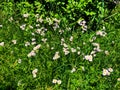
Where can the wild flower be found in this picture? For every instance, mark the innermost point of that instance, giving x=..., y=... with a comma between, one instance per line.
x=66, y=51
x=33, y=43
x=78, y=52
x=14, y=41
x=110, y=69
x=73, y=50
x=19, y=60
x=73, y=70
x=59, y=82
x=27, y=44
x=2, y=44
x=54, y=81
x=31, y=27
x=33, y=39
x=56, y=20
x=56, y=56
x=1, y=26
x=37, y=47
x=34, y=72
x=101, y=33
x=106, y=52
x=39, y=20
x=10, y=19
x=44, y=40
x=32, y=53
x=71, y=38
x=106, y=72
x=25, y=15
x=23, y=26
x=118, y=79
x=88, y=57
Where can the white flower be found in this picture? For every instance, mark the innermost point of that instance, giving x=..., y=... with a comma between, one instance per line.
x=34, y=72
x=44, y=40
x=71, y=38
x=33, y=43
x=59, y=82
x=82, y=22
x=89, y=58
x=56, y=56
x=32, y=53
x=23, y=26
x=27, y=44
x=40, y=20
x=73, y=70
x=2, y=44
x=54, y=81
x=78, y=52
x=101, y=33
x=65, y=50
x=106, y=72
x=106, y=52
x=73, y=50
x=25, y=15
x=37, y=47
x=1, y=26
x=31, y=27
x=14, y=41
x=19, y=60
x=110, y=69
x=118, y=79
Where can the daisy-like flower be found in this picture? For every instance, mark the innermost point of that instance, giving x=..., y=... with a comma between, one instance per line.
x=66, y=51
x=71, y=38
x=19, y=60
x=73, y=70
x=73, y=50
x=118, y=79
x=32, y=53
x=106, y=72
x=54, y=81
x=106, y=52
x=110, y=69
x=2, y=44
x=78, y=52
x=14, y=41
x=27, y=44
x=44, y=40
x=33, y=43
x=34, y=72
x=56, y=56
x=37, y=47
x=1, y=26
x=89, y=57
x=59, y=82
x=25, y=15
x=23, y=26
x=101, y=33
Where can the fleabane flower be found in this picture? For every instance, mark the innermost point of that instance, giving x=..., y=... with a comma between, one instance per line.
x=2, y=44
x=59, y=82
x=73, y=70
x=54, y=81
x=14, y=41
x=89, y=57
x=106, y=72
x=34, y=72
x=56, y=56
x=25, y=15
x=110, y=69
x=37, y=47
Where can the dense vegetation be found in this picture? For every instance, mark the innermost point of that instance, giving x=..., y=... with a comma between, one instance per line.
x=59, y=45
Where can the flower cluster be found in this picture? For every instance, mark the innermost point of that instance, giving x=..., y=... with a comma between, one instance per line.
x=55, y=81
x=106, y=72
x=34, y=72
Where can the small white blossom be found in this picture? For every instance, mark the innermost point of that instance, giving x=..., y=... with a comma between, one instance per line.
x=101, y=33
x=59, y=82
x=31, y=27
x=19, y=60
x=33, y=43
x=118, y=79
x=32, y=53
x=56, y=56
x=73, y=70
x=27, y=44
x=25, y=15
x=37, y=47
x=73, y=50
x=106, y=52
x=89, y=57
x=44, y=40
x=14, y=41
x=71, y=38
x=106, y=72
x=110, y=69
x=1, y=26
x=2, y=44
x=54, y=81
x=23, y=26
x=65, y=50
x=78, y=52
x=34, y=72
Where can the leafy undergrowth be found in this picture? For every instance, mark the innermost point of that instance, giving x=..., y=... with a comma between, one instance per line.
x=46, y=53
